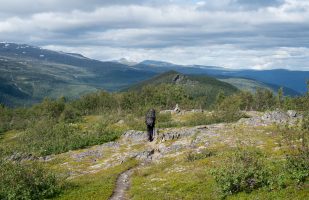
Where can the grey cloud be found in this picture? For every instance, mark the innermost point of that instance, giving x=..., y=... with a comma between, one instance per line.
x=259, y=3
x=202, y=31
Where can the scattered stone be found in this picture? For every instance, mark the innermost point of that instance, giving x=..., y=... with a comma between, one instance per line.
x=120, y=121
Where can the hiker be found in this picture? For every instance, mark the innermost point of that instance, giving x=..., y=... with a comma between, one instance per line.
x=150, y=123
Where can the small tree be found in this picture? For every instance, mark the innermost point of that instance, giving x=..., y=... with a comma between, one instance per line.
x=220, y=98
x=280, y=97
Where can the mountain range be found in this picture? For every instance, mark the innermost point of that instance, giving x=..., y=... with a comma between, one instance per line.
x=29, y=73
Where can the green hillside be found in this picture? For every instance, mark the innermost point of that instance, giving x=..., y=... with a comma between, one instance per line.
x=28, y=77
x=203, y=88
x=241, y=147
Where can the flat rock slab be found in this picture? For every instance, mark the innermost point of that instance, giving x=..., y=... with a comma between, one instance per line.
x=122, y=186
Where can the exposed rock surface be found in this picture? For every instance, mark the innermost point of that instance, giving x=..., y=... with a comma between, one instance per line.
x=277, y=117
x=135, y=136
x=171, y=134
x=169, y=142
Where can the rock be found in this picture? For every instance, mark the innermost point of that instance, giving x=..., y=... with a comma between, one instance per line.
x=177, y=134
x=144, y=155
x=177, y=109
x=178, y=78
x=201, y=127
x=89, y=153
x=166, y=111
x=110, y=144
x=197, y=111
x=120, y=121
x=22, y=157
x=135, y=136
x=275, y=116
x=292, y=113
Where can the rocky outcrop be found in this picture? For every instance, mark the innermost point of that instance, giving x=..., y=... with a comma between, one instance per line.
x=273, y=117
x=135, y=136
x=173, y=134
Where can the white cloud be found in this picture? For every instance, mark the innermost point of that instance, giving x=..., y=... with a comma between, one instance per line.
x=231, y=33
x=228, y=56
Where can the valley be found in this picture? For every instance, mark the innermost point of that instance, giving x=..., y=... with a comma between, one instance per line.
x=74, y=128
x=28, y=74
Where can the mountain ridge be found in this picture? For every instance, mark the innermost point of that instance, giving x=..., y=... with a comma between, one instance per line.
x=34, y=73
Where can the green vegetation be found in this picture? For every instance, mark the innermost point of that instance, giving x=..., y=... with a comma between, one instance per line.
x=27, y=181
x=243, y=170
x=205, y=153
x=202, y=89
x=218, y=172
x=57, y=126
x=99, y=185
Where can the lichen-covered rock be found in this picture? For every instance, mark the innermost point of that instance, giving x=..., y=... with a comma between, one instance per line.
x=277, y=117
x=176, y=134
x=292, y=113
x=143, y=155
x=87, y=154
x=135, y=136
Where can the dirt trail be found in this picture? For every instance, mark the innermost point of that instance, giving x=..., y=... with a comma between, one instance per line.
x=122, y=186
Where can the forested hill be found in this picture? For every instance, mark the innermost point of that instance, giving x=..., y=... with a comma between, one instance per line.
x=28, y=74
x=204, y=88
x=289, y=79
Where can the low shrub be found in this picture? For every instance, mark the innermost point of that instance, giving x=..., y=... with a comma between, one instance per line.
x=70, y=114
x=298, y=165
x=49, y=137
x=201, y=155
x=244, y=170
x=27, y=181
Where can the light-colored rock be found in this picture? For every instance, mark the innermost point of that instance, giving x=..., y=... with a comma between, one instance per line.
x=292, y=113
x=135, y=136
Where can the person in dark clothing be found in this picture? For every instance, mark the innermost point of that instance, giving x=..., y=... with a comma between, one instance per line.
x=150, y=123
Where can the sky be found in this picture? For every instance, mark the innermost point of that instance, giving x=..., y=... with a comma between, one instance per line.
x=236, y=34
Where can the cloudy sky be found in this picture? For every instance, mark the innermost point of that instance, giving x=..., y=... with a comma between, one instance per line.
x=259, y=34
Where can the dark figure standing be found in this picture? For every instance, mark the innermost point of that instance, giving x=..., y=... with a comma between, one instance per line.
x=150, y=122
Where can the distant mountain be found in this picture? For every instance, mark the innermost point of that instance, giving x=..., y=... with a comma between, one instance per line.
x=291, y=80
x=126, y=62
x=196, y=86
x=160, y=66
x=252, y=85
x=28, y=74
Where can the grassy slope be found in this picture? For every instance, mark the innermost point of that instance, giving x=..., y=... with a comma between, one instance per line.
x=174, y=177
x=99, y=185
x=25, y=81
x=179, y=178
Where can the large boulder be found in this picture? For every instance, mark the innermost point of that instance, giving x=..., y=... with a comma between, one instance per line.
x=276, y=116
